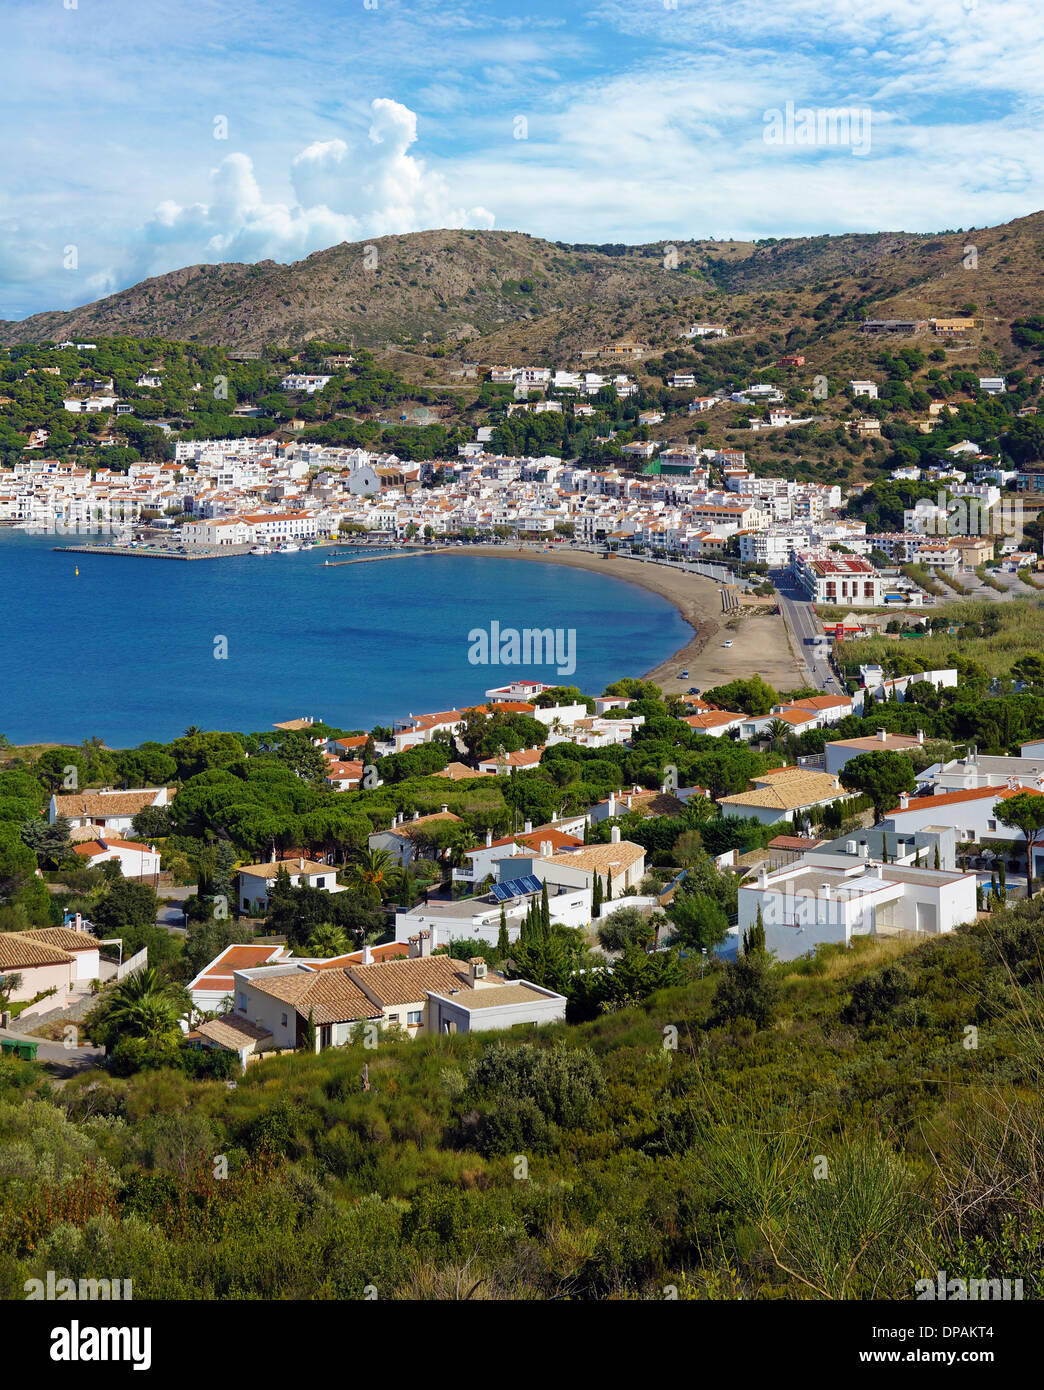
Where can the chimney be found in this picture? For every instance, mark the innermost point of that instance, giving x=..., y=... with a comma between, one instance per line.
x=904, y=801
x=850, y=846
x=414, y=947
x=478, y=969
x=527, y=828
x=920, y=735
x=489, y=838
x=824, y=891
x=300, y=864
x=614, y=835
x=445, y=809
x=612, y=804
x=424, y=939
x=762, y=876
x=864, y=849
x=367, y=954
x=416, y=815
x=546, y=849
x=882, y=735
x=627, y=802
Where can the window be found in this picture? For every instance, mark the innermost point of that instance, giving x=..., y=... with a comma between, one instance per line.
x=282, y=1020
x=241, y=1003
x=320, y=883
x=393, y=1018
x=992, y=824
x=413, y=1018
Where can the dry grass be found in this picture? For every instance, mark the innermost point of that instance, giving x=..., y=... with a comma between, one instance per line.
x=1021, y=631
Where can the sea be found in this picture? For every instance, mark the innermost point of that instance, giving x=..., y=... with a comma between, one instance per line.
x=128, y=649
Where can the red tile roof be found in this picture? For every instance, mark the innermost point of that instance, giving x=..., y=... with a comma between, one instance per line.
x=920, y=803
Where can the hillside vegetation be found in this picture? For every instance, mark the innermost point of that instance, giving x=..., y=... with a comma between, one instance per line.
x=880, y=1121
x=508, y=292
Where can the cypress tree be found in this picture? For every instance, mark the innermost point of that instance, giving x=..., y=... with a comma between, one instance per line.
x=545, y=910
x=609, y=886
x=754, y=937
x=937, y=854
x=596, y=896
x=503, y=944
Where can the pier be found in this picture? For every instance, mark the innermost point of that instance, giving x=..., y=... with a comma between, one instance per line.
x=196, y=552
x=396, y=555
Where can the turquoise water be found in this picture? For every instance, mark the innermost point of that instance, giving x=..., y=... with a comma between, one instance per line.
x=126, y=650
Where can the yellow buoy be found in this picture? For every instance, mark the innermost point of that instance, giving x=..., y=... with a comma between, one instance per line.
x=77, y=569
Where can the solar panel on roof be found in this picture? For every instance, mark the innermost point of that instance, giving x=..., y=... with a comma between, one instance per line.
x=532, y=883
x=499, y=891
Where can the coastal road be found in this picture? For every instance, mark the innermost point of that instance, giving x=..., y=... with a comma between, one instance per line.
x=805, y=628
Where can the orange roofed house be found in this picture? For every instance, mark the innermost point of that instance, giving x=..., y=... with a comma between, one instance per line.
x=107, y=810
x=419, y=993
x=46, y=958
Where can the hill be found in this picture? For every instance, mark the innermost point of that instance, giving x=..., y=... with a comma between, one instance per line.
x=849, y=1147
x=503, y=292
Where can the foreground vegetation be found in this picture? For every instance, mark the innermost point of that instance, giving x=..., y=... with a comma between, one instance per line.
x=883, y=1122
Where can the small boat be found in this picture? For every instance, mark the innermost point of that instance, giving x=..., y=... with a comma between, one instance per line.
x=260, y=550
x=289, y=549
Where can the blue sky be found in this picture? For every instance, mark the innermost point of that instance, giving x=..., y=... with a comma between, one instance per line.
x=597, y=120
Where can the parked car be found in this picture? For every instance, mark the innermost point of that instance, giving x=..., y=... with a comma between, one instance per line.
x=728, y=643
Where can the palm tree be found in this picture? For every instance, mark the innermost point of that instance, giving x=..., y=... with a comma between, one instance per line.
x=372, y=871
x=777, y=732
x=326, y=941
x=144, y=1006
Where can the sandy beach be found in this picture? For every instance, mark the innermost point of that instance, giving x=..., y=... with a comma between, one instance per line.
x=760, y=642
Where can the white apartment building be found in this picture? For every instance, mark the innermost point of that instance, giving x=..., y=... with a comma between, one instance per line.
x=832, y=578
x=824, y=900
x=304, y=381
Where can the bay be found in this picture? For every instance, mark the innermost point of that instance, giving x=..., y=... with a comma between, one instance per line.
x=129, y=649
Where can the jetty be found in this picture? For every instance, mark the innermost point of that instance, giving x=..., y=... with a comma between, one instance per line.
x=396, y=555
x=196, y=552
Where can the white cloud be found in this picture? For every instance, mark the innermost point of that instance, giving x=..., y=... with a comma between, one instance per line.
x=341, y=193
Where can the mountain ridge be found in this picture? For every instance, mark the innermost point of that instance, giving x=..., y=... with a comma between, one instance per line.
x=502, y=291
